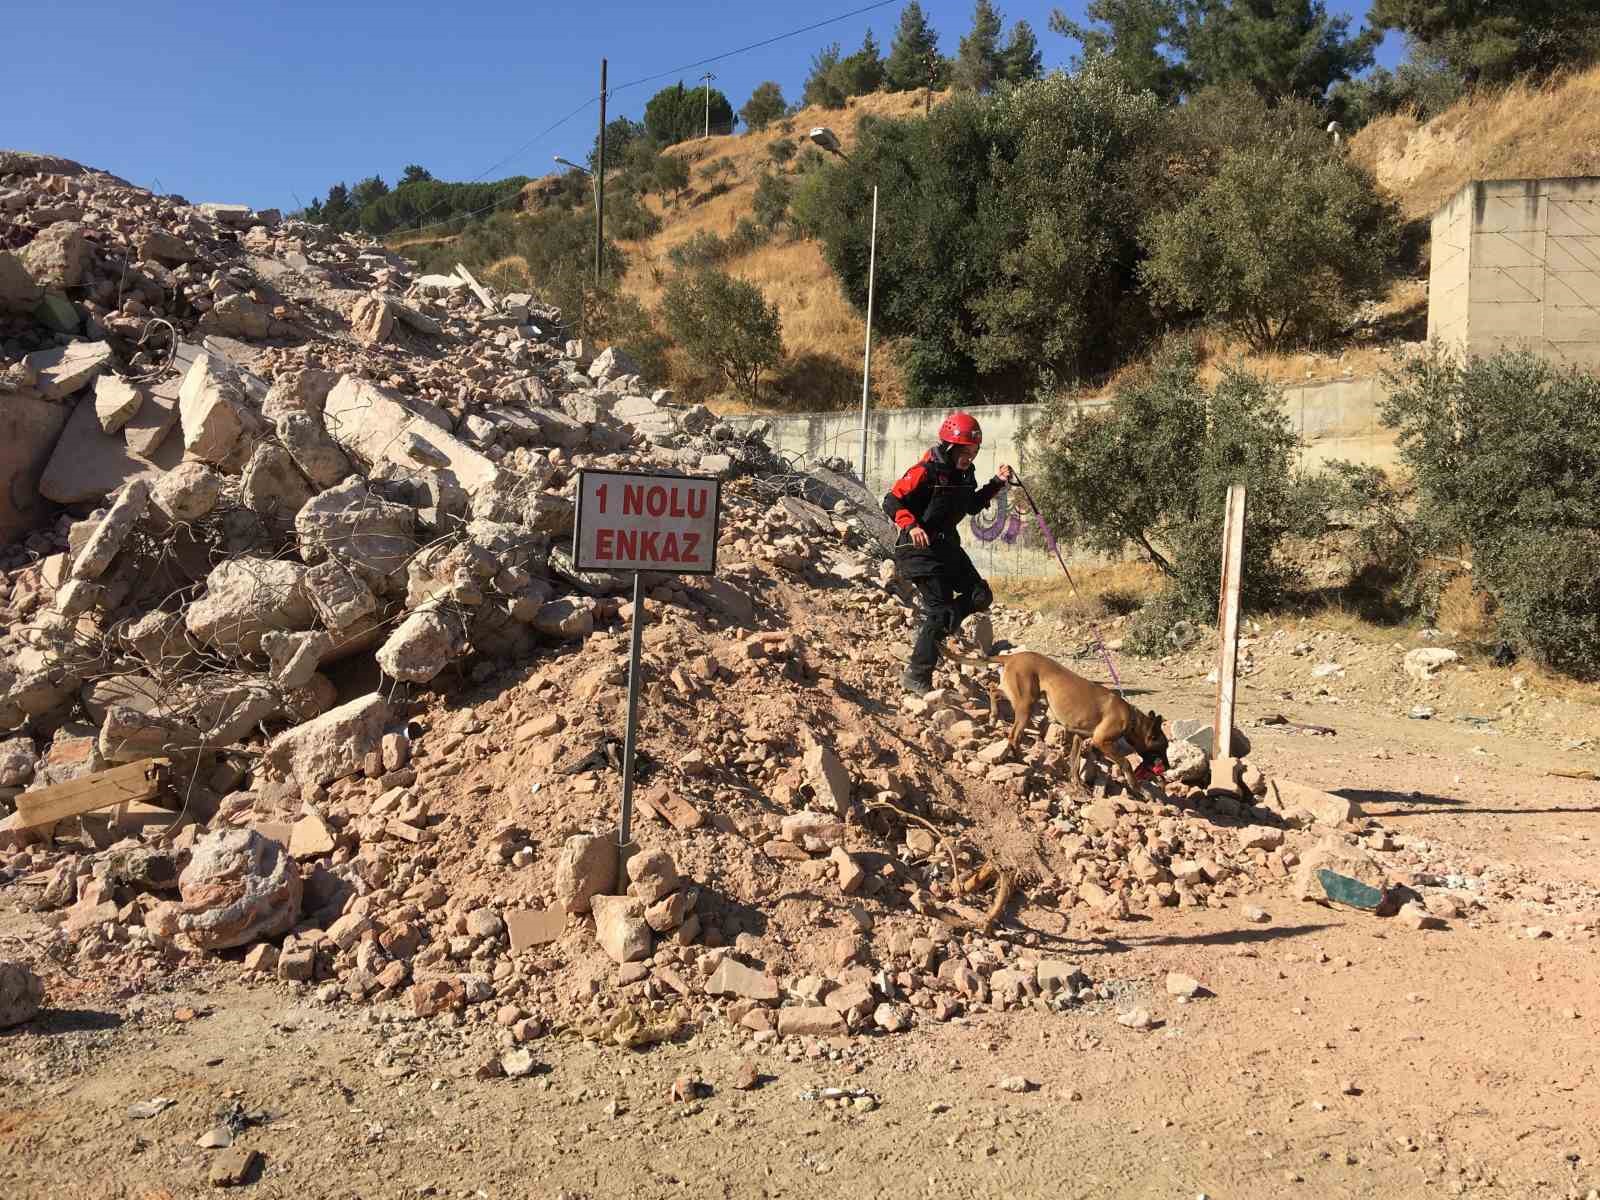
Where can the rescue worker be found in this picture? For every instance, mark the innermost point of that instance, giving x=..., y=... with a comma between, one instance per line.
x=928, y=503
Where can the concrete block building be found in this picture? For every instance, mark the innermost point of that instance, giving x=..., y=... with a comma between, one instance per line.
x=1516, y=265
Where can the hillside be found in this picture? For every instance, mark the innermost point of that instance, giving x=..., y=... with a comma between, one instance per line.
x=1525, y=131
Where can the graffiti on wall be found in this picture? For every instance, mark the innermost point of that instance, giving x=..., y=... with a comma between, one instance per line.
x=1007, y=526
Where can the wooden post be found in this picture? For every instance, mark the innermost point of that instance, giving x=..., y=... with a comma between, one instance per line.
x=1228, y=622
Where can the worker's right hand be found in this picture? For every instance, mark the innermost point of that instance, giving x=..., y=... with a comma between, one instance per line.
x=919, y=536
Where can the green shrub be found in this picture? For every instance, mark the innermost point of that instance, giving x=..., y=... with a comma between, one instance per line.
x=1506, y=456
x=702, y=249
x=771, y=205
x=725, y=323
x=747, y=236
x=1150, y=472
x=718, y=168
x=781, y=151
x=765, y=106
x=1283, y=239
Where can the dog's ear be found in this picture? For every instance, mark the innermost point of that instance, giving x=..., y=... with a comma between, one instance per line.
x=1156, y=721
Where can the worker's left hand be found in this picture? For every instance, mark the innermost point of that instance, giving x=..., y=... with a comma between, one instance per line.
x=1006, y=475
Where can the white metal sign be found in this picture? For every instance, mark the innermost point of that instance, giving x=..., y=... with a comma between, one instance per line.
x=635, y=522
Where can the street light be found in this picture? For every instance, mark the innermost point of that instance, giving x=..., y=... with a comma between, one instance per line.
x=599, y=211
x=829, y=141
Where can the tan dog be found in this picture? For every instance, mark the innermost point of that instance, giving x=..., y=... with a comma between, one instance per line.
x=1085, y=709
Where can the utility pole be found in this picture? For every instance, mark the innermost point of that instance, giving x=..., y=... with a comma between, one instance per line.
x=866, y=362
x=600, y=183
x=708, y=77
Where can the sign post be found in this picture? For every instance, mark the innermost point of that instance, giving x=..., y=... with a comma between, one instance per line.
x=635, y=522
x=1228, y=622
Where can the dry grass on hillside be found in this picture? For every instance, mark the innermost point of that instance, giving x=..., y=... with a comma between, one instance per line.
x=1526, y=131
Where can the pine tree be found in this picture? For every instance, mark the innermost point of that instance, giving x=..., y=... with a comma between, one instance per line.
x=1131, y=34
x=822, y=85
x=914, y=41
x=1020, y=60
x=1494, y=40
x=978, y=63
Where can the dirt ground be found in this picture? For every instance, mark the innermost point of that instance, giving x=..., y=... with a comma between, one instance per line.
x=1336, y=1054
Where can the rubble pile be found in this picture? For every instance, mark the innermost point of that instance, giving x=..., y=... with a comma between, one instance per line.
x=295, y=523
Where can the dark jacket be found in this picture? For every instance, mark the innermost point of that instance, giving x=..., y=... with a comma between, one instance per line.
x=937, y=495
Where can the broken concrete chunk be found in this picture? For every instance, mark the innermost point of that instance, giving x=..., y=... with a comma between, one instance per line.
x=1324, y=808
x=91, y=562
x=620, y=928
x=187, y=492
x=334, y=745
x=220, y=422
x=163, y=247
x=245, y=598
x=21, y=994
x=1337, y=871
x=733, y=978
x=272, y=486
x=313, y=451
x=239, y=887
x=652, y=874
x=59, y=256
x=297, y=390
x=612, y=363
x=295, y=656
x=375, y=424
x=828, y=777
x=115, y=402
x=372, y=319
x=60, y=372
x=423, y=645
x=340, y=597
x=586, y=868
x=29, y=431
x=371, y=536
x=18, y=291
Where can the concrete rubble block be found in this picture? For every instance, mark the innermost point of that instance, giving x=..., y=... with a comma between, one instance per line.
x=162, y=246
x=59, y=256
x=422, y=645
x=620, y=928
x=162, y=640
x=29, y=430
x=371, y=536
x=316, y=454
x=128, y=735
x=187, y=492
x=58, y=314
x=21, y=994
x=612, y=363
x=725, y=597
x=1199, y=733
x=18, y=291
x=809, y=1021
x=271, y=486
x=116, y=401
x=733, y=978
x=89, y=464
x=517, y=500
x=652, y=875
x=1335, y=855
x=372, y=319
x=215, y=407
x=439, y=285
x=669, y=912
x=1260, y=837
x=1188, y=763
x=339, y=595
x=297, y=390
x=1324, y=808
x=1424, y=663
x=377, y=426
x=587, y=867
x=147, y=430
x=295, y=657
x=556, y=428
x=804, y=828
x=246, y=597
x=60, y=372
x=18, y=760
x=567, y=618
x=238, y=888
x=103, y=545
x=234, y=216
x=827, y=775
x=334, y=745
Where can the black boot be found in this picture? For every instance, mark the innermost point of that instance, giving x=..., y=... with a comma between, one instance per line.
x=917, y=680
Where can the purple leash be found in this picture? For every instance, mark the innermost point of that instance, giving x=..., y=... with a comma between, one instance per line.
x=1050, y=540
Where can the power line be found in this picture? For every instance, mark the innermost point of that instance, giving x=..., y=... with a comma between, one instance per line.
x=755, y=45
x=636, y=83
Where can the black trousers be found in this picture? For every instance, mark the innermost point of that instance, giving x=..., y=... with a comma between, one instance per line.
x=950, y=588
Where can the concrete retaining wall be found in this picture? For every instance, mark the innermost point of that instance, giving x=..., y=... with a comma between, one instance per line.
x=1336, y=420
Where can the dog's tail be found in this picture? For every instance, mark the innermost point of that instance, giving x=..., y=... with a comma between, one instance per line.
x=968, y=658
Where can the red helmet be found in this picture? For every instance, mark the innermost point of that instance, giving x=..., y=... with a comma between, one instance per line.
x=961, y=430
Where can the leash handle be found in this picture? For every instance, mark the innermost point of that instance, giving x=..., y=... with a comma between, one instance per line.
x=1055, y=549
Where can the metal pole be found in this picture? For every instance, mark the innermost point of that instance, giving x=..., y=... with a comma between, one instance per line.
x=866, y=365
x=1228, y=622
x=600, y=183
x=708, y=77
x=633, y=709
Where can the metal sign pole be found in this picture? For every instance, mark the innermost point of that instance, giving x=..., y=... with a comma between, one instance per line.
x=633, y=709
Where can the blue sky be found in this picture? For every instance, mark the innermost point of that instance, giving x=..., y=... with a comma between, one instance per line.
x=268, y=103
